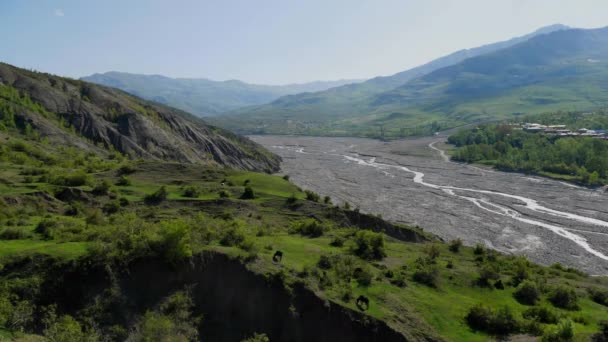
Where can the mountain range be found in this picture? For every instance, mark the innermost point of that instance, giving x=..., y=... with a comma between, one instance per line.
x=204, y=97
x=551, y=69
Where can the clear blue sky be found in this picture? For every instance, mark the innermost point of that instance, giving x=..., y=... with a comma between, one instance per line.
x=266, y=41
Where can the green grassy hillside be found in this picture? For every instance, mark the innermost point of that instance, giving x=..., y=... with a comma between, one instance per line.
x=84, y=209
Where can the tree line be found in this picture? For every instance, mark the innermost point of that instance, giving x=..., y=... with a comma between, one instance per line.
x=580, y=159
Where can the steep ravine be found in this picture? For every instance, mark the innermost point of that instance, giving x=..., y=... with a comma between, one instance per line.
x=234, y=301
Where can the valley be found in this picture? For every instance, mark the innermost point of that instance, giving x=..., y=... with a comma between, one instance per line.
x=411, y=181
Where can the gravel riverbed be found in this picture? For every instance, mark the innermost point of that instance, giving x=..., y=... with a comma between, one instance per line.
x=411, y=181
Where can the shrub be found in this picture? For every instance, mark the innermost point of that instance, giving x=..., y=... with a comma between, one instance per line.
x=112, y=207
x=101, y=188
x=564, y=297
x=369, y=245
x=123, y=181
x=157, y=197
x=247, y=193
x=311, y=196
x=599, y=296
x=175, y=240
x=527, y=293
x=232, y=236
x=78, y=178
x=94, y=217
x=426, y=272
x=63, y=329
x=311, y=228
x=479, y=250
x=432, y=251
x=126, y=170
x=257, y=338
x=286, y=177
x=364, y=276
x=327, y=200
x=14, y=233
x=602, y=335
x=191, y=192
x=337, y=241
x=486, y=274
x=399, y=279
x=455, y=245
x=502, y=322
x=324, y=262
x=541, y=314
x=563, y=332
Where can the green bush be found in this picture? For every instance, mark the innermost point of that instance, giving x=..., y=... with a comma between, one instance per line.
x=311, y=196
x=77, y=178
x=310, y=227
x=337, y=241
x=257, y=338
x=175, y=241
x=369, y=245
x=564, y=297
x=14, y=233
x=191, y=192
x=232, y=236
x=501, y=322
x=247, y=193
x=101, y=188
x=324, y=262
x=602, y=335
x=426, y=272
x=432, y=251
x=123, y=181
x=541, y=314
x=157, y=197
x=455, y=245
x=562, y=333
x=479, y=250
x=527, y=293
x=224, y=194
x=363, y=276
x=599, y=296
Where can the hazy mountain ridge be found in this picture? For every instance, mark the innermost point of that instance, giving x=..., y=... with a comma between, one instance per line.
x=204, y=97
x=101, y=116
x=336, y=108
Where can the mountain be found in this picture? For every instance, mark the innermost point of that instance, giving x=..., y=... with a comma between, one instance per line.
x=81, y=114
x=340, y=110
x=564, y=70
x=201, y=96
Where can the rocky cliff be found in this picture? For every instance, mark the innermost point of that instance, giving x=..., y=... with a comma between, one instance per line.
x=89, y=116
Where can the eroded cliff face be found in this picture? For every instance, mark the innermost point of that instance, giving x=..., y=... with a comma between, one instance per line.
x=234, y=302
x=109, y=117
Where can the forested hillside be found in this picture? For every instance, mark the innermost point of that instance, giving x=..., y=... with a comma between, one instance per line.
x=580, y=159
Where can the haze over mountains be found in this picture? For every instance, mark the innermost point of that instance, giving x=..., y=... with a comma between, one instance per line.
x=201, y=96
x=553, y=68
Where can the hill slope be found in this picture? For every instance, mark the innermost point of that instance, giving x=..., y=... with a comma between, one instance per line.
x=85, y=115
x=338, y=111
x=204, y=97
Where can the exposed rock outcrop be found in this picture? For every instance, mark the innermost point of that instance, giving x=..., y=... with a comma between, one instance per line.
x=105, y=116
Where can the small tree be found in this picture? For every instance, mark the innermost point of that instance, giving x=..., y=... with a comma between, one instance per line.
x=247, y=193
x=455, y=245
x=564, y=297
x=369, y=245
x=157, y=197
x=527, y=293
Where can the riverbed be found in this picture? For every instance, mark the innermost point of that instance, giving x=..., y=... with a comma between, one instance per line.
x=412, y=181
